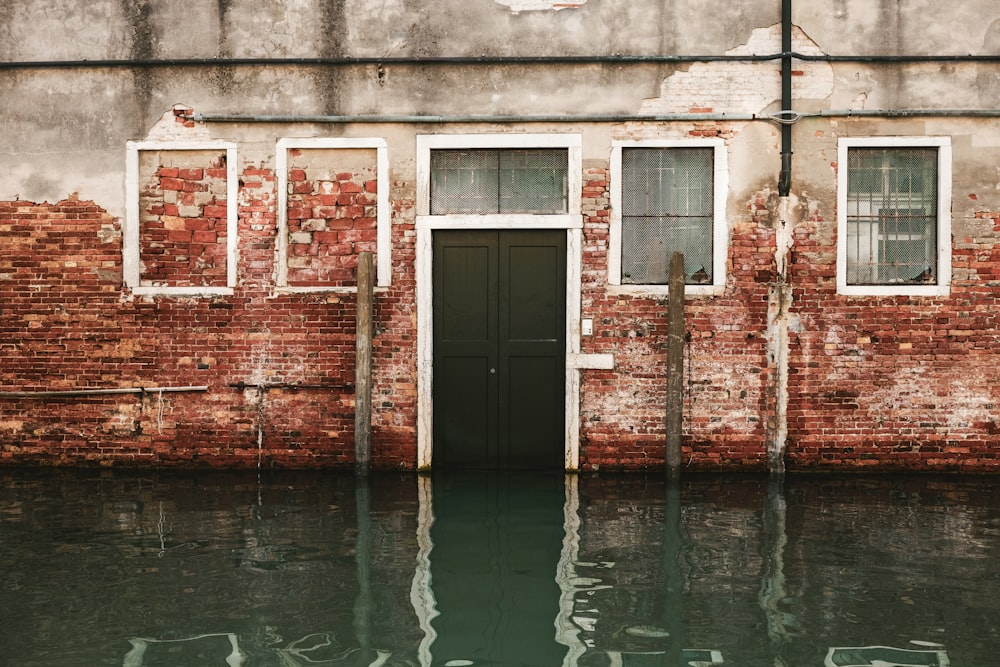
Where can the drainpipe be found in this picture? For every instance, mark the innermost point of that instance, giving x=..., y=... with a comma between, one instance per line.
x=785, y=179
x=780, y=293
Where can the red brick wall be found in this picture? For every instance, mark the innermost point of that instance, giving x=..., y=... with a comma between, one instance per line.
x=279, y=367
x=874, y=382
x=331, y=218
x=183, y=232
x=726, y=371
x=895, y=382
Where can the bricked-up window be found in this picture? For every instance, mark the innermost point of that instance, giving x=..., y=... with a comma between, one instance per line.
x=333, y=205
x=512, y=180
x=668, y=197
x=891, y=222
x=180, y=230
x=667, y=206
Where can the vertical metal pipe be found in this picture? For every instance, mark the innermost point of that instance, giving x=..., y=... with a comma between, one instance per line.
x=363, y=365
x=779, y=297
x=675, y=364
x=785, y=178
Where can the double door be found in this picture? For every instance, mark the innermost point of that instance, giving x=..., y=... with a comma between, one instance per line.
x=499, y=349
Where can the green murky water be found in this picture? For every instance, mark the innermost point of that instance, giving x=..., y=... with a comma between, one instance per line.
x=308, y=569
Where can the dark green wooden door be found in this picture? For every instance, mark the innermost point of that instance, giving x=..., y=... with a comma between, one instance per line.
x=499, y=349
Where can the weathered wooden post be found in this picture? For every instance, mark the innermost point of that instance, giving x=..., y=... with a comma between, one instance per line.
x=675, y=363
x=363, y=365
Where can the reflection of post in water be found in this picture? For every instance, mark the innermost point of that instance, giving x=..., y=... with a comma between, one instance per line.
x=673, y=578
x=362, y=557
x=772, y=587
x=497, y=540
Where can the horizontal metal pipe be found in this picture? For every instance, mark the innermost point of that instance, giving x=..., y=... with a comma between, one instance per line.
x=98, y=392
x=908, y=113
x=957, y=58
x=434, y=119
x=288, y=385
x=612, y=59
x=616, y=59
x=781, y=117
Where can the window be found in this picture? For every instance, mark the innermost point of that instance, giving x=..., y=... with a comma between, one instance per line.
x=333, y=204
x=668, y=197
x=513, y=180
x=180, y=234
x=499, y=180
x=894, y=226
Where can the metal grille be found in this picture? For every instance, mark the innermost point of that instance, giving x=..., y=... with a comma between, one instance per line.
x=668, y=201
x=891, y=216
x=485, y=181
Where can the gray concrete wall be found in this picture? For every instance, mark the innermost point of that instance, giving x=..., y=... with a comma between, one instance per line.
x=64, y=130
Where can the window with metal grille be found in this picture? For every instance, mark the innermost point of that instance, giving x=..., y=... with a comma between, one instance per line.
x=668, y=199
x=892, y=204
x=491, y=181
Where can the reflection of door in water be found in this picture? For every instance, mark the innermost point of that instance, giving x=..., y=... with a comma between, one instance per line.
x=496, y=542
x=499, y=348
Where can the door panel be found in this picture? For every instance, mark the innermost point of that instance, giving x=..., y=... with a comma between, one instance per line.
x=462, y=384
x=536, y=409
x=466, y=284
x=499, y=348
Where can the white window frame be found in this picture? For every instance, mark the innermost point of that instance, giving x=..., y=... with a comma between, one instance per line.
x=720, y=226
x=383, y=272
x=944, y=192
x=131, y=251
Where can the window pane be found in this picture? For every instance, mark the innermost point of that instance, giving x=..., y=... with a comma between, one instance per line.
x=667, y=207
x=463, y=181
x=533, y=181
x=485, y=181
x=891, y=216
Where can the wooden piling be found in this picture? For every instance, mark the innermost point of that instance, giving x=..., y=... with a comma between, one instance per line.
x=363, y=365
x=675, y=363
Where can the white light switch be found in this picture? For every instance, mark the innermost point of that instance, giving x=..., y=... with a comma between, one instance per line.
x=587, y=327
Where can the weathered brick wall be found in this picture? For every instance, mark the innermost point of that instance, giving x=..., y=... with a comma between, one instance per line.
x=726, y=371
x=278, y=367
x=183, y=223
x=896, y=382
x=331, y=218
x=887, y=383
x=873, y=382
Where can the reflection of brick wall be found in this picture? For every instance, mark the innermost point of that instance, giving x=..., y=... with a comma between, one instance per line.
x=277, y=556
x=182, y=234
x=330, y=221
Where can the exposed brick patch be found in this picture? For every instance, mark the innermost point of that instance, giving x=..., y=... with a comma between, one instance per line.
x=332, y=217
x=182, y=223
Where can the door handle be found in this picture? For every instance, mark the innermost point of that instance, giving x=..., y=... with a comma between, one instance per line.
x=493, y=371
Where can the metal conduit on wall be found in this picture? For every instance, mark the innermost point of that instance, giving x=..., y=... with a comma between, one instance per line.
x=97, y=392
x=614, y=59
x=785, y=117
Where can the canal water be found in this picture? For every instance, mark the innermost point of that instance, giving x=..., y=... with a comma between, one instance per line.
x=236, y=569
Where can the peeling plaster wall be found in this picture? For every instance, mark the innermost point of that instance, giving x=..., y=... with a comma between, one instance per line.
x=777, y=355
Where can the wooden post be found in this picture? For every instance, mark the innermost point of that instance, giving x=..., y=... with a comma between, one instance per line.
x=675, y=363
x=363, y=365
